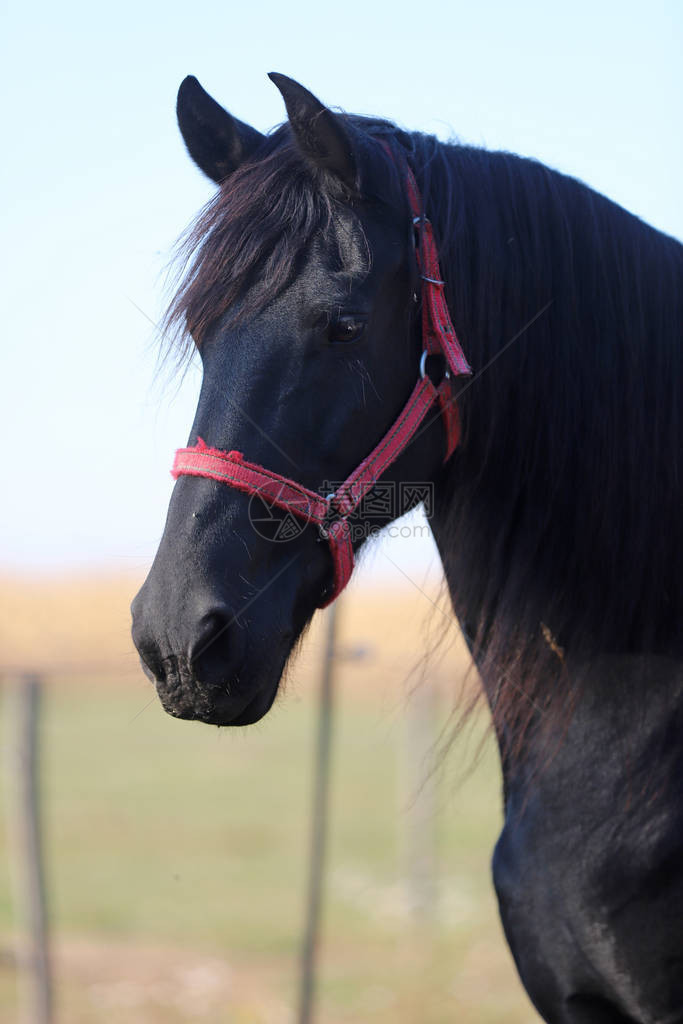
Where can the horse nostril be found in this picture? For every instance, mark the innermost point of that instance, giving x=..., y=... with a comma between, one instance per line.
x=213, y=647
x=150, y=656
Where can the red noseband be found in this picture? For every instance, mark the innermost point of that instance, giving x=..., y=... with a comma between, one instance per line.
x=331, y=514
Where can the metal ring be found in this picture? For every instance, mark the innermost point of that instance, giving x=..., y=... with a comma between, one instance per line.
x=432, y=280
x=423, y=365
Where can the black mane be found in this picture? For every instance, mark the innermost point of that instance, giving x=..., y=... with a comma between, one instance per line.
x=560, y=521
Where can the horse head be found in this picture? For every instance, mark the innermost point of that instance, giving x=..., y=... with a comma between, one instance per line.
x=301, y=301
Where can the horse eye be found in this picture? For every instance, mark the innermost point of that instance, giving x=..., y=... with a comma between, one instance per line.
x=345, y=329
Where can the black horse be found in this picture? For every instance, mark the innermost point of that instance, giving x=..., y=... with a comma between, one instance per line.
x=558, y=517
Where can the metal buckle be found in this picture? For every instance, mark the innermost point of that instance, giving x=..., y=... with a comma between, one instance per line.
x=419, y=222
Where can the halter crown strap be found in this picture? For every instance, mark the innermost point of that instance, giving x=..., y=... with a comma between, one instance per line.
x=438, y=332
x=331, y=514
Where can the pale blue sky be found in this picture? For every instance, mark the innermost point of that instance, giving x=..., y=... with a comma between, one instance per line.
x=96, y=185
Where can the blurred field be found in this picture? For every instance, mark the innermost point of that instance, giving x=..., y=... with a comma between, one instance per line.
x=177, y=852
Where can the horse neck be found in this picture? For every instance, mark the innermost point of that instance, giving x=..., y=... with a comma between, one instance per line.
x=555, y=509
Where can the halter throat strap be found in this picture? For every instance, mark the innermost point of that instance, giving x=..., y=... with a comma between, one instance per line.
x=331, y=514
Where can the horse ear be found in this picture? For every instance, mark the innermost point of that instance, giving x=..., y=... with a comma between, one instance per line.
x=320, y=134
x=217, y=142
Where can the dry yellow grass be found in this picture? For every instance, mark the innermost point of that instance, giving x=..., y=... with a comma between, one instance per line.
x=65, y=623
x=81, y=623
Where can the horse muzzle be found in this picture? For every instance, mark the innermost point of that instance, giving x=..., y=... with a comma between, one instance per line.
x=207, y=675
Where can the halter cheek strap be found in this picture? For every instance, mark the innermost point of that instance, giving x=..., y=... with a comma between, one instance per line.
x=332, y=514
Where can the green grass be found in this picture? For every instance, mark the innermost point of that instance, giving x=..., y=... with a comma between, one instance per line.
x=179, y=836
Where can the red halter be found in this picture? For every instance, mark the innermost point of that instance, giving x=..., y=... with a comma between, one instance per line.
x=331, y=514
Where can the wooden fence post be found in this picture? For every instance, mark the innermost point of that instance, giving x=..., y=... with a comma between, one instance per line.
x=319, y=818
x=419, y=788
x=25, y=843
